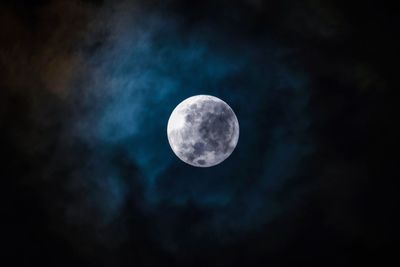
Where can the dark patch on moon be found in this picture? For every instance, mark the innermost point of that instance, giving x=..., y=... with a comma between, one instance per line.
x=199, y=149
x=215, y=129
x=189, y=118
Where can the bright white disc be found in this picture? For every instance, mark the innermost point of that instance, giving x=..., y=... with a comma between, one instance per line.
x=203, y=130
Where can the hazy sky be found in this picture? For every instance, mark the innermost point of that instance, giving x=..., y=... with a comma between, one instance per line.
x=87, y=88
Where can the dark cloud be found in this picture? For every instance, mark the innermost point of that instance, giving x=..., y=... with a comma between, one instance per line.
x=86, y=91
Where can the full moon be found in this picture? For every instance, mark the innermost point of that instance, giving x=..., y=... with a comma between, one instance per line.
x=203, y=131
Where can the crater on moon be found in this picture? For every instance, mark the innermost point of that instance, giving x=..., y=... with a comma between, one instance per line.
x=203, y=130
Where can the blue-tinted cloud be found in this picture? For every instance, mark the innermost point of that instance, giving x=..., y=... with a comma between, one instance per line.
x=147, y=65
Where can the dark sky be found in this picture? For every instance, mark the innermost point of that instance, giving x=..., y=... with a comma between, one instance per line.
x=89, y=179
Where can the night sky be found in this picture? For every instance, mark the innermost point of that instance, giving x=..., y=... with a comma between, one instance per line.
x=88, y=176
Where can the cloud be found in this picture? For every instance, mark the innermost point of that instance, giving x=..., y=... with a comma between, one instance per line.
x=120, y=79
x=146, y=65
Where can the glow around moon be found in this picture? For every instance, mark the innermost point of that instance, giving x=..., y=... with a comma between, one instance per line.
x=203, y=131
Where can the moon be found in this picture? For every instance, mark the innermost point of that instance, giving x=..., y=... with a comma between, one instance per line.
x=203, y=131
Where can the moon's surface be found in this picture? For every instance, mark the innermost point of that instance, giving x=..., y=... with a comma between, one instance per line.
x=203, y=130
